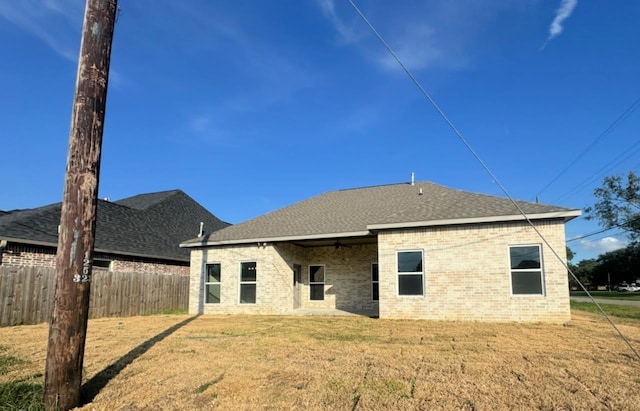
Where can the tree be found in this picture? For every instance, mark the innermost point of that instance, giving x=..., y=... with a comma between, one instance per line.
x=584, y=272
x=570, y=254
x=619, y=265
x=618, y=205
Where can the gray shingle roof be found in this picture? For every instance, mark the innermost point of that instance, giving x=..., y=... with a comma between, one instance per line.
x=355, y=212
x=146, y=225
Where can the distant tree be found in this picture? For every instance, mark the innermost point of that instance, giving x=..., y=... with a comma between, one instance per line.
x=570, y=254
x=619, y=265
x=618, y=204
x=584, y=272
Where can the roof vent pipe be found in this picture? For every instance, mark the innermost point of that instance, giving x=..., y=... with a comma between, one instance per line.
x=201, y=229
x=413, y=180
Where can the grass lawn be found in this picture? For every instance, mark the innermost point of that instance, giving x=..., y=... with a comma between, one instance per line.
x=618, y=311
x=606, y=294
x=179, y=362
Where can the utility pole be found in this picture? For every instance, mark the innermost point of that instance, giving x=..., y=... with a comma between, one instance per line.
x=68, y=326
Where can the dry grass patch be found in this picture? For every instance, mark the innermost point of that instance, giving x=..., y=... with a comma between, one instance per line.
x=343, y=363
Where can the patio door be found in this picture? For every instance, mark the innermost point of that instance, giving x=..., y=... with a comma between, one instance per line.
x=297, y=276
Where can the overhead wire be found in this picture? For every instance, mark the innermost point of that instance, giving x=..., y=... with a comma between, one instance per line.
x=487, y=169
x=621, y=225
x=633, y=107
x=603, y=170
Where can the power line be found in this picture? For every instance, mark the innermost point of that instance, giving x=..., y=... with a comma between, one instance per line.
x=633, y=107
x=604, y=169
x=613, y=227
x=488, y=171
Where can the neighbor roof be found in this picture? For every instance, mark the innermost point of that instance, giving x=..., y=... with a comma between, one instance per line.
x=147, y=225
x=359, y=212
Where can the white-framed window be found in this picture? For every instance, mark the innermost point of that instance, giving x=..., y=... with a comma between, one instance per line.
x=316, y=282
x=248, y=282
x=525, y=263
x=212, y=283
x=410, y=272
x=375, y=282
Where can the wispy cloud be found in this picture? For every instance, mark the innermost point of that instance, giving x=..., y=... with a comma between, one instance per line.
x=424, y=35
x=347, y=33
x=562, y=13
x=57, y=23
x=603, y=245
x=418, y=48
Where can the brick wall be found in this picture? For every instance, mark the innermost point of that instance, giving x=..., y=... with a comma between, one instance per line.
x=19, y=255
x=467, y=274
x=347, y=278
x=22, y=255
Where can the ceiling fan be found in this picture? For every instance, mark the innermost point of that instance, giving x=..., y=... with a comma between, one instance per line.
x=339, y=245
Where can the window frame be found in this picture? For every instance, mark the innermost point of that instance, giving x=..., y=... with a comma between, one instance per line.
x=316, y=283
x=412, y=273
x=515, y=270
x=375, y=284
x=218, y=283
x=241, y=282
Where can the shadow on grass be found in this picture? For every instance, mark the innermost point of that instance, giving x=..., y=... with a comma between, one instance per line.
x=92, y=387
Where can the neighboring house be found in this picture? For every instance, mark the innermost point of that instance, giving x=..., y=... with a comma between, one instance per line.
x=137, y=234
x=420, y=251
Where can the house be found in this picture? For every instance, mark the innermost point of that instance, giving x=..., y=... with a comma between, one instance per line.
x=137, y=234
x=414, y=250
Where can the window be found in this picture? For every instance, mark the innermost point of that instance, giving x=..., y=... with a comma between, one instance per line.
x=410, y=274
x=375, y=282
x=212, y=284
x=316, y=282
x=248, y=283
x=526, y=270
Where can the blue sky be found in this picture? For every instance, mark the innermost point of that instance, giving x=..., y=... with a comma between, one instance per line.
x=249, y=106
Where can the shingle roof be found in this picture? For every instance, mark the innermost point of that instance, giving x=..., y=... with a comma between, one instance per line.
x=356, y=212
x=146, y=225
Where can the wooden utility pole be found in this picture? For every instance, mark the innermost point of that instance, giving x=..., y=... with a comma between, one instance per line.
x=68, y=327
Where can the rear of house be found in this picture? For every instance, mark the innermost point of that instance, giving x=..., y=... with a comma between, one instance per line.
x=418, y=251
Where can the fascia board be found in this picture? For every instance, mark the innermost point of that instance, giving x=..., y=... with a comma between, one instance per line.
x=566, y=215
x=275, y=239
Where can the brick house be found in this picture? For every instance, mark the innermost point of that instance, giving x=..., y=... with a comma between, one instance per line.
x=418, y=251
x=136, y=234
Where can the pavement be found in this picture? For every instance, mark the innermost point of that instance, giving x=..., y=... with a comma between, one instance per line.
x=634, y=303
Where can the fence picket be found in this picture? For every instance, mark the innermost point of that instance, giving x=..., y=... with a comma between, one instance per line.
x=27, y=293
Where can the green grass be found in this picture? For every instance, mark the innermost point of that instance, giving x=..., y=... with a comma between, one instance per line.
x=606, y=294
x=7, y=361
x=22, y=394
x=208, y=384
x=614, y=310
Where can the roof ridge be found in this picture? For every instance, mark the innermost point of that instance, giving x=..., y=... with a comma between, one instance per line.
x=380, y=185
x=146, y=200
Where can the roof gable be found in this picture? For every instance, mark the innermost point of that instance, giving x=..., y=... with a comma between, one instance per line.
x=355, y=212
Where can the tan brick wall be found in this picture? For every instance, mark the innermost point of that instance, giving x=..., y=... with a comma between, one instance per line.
x=133, y=266
x=18, y=255
x=347, y=278
x=24, y=255
x=467, y=273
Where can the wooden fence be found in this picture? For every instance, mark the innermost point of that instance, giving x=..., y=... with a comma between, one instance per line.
x=26, y=294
